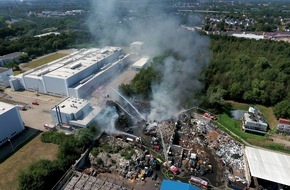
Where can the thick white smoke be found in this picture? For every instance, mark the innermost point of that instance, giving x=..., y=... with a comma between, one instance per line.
x=121, y=22
x=106, y=119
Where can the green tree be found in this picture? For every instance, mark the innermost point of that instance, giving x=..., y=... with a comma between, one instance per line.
x=23, y=58
x=282, y=109
x=40, y=175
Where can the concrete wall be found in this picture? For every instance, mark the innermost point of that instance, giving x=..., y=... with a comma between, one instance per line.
x=99, y=79
x=65, y=118
x=73, y=93
x=55, y=86
x=10, y=124
x=34, y=84
x=16, y=84
x=5, y=76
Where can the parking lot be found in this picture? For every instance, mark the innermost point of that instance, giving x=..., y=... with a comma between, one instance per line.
x=35, y=116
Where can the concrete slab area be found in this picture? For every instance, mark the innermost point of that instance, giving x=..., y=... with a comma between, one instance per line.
x=37, y=115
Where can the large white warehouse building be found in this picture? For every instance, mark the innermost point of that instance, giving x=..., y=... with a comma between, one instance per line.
x=76, y=75
x=74, y=112
x=10, y=122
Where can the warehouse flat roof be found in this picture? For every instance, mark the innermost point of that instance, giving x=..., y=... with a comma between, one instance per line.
x=72, y=105
x=92, y=77
x=4, y=107
x=11, y=55
x=87, y=120
x=3, y=69
x=141, y=62
x=72, y=64
x=269, y=165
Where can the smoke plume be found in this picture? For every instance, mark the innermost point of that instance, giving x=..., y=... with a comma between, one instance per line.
x=120, y=22
x=106, y=119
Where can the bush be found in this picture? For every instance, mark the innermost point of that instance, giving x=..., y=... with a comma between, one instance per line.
x=95, y=151
x=107, y=148
x=53, y=137
x=99, y=161
x=117, y=149
x=128, y=153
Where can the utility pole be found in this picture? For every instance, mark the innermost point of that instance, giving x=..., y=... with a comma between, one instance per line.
x=11, y=145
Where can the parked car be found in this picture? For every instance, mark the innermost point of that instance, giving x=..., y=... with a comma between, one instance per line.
x=35, y=103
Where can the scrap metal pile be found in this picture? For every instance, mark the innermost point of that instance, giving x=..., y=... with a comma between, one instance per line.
x=123, y=157
x=191, y=141
x=230, y=152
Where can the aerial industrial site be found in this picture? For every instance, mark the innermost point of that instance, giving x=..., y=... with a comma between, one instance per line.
x=143, y=96
x=137, y=153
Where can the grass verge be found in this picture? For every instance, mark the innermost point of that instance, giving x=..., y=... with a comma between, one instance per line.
x=17, y=72
x=20, y=160
x=46, y=59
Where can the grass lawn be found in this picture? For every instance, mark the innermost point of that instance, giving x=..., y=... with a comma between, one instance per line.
x=17, y=72
x=45, y=60
x=269, y=115
x=32, y=151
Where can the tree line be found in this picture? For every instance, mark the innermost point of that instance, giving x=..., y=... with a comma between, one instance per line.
x=37, y=46
x=244, y=70
x=250, y=71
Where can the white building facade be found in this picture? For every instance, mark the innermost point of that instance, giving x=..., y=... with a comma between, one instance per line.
x=75, y=75
x=5, y=75
x=10, y=122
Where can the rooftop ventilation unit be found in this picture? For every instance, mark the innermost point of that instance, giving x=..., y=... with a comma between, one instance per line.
x=67, y=61
x=43, y=72
x=75, y=65
x=104, y=51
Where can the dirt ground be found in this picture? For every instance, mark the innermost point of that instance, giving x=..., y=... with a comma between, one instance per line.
x=38, y=115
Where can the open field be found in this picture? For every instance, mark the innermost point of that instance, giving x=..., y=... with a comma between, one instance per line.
x=32, y=151
x=266, y=111
x=46, y=59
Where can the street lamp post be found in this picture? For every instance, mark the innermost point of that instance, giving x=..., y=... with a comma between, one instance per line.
x=11, y=145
